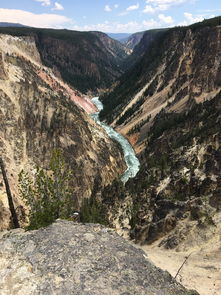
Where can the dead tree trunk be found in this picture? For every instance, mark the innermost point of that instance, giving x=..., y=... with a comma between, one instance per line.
x=9, y=195
x=186, y=258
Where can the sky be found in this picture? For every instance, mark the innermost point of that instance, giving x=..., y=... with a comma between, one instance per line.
x=113, y=16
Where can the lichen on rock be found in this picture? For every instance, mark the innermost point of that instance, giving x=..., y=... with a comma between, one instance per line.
x=72, y=258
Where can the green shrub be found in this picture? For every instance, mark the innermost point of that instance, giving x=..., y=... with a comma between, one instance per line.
x=93, y=211
x=47, y=194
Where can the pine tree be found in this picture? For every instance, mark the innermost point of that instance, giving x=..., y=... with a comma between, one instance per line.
x=48, y=193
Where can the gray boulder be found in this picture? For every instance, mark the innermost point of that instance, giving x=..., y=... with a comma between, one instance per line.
x=80, y=259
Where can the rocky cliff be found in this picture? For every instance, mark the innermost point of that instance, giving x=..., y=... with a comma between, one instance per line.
x=70, y=258
x=38, y=113
x=133, y=40
x=182, y=65
x=139, y=43
x=169, y=107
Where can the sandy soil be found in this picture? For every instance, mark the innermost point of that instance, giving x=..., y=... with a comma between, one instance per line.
x=202, y=270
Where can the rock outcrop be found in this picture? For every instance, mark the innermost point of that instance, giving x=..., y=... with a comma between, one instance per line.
x=71, y=258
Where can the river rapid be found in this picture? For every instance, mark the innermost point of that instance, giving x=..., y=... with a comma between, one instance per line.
x=132, y=162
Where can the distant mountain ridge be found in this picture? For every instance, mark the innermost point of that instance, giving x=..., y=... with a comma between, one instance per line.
x=139, y=43
x=119, y=36
x=132, y=40
x=5, y=24
x=114, y=46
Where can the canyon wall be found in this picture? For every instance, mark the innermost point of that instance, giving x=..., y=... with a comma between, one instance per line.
x=40, y=113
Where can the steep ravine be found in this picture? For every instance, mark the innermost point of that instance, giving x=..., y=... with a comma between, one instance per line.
x=130, y=157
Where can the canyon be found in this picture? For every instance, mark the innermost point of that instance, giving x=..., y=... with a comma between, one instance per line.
x=39, y=113
x=163, y=95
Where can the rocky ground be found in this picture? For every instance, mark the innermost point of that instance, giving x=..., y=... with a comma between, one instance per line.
x=71, y=258
x=202, y=270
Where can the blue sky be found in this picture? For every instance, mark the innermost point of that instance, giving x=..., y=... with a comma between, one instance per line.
x=108, y=15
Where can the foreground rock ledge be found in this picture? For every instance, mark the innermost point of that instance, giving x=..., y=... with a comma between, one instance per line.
x=69, y=258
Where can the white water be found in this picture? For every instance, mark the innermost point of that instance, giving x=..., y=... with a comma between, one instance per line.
x=133, y=164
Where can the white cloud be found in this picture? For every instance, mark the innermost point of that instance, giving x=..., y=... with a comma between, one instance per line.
x=44, y=2
x=57, y=6
x=107, y=8
x=189, y=19
x=123, y=13
x=192, y=19
x=166, y=19
x=168, y=2
x=35, y=20
x=162, y=5
x=210, y=10
x=149, y=9
x=129, y=27
x=150, y=24
x=112, y=27
x=133, y=7
x=153, y=9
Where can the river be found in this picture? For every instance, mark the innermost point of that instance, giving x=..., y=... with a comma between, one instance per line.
x=132, y=162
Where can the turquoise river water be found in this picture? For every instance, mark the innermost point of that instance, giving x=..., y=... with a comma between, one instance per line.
x=132, y=162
